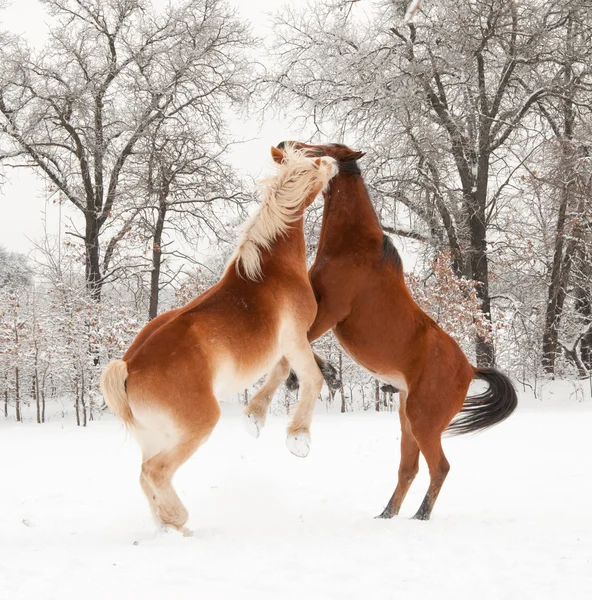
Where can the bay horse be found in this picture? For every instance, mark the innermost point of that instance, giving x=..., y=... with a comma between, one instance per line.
x=166, y=388
x=359, y=284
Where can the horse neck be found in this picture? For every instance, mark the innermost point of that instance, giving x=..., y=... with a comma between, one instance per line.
x=292, y=241
x=348, y=209
x=287, y=247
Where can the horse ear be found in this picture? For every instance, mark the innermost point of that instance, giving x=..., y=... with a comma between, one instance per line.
x=277, y=155
x=355, y=156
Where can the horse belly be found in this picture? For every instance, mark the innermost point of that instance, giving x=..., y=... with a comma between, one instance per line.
x=234, y=373
x=379, y=364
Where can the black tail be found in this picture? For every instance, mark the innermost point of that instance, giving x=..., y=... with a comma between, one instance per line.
x=489, y=408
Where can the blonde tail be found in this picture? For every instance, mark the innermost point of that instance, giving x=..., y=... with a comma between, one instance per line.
x=113, y=386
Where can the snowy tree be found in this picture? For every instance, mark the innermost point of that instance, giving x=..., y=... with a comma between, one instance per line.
x=15, y=282
x=111, y=70
x=189, y=193
x=14, y=270
x=441, y=104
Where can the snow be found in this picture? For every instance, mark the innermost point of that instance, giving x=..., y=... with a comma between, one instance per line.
x=513, y=519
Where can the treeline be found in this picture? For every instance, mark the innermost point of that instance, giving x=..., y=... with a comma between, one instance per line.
x=476, y=119
x=55, y=338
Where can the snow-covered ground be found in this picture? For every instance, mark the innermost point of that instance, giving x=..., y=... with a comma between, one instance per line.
x=513, y=520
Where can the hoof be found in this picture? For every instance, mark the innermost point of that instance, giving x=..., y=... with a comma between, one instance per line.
x=252, y=424
x=165, y=529
x=162, y=529
x=385, y=514
x=299, y=444
x=421, y=517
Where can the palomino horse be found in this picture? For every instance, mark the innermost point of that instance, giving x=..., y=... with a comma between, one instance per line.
x=360, y=288
x=256, y=317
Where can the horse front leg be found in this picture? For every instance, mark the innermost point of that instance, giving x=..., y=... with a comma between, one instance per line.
x=311, y=381
x=324, y=321
x=256, y=410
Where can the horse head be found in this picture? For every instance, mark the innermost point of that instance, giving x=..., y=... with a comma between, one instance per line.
x=345, y=157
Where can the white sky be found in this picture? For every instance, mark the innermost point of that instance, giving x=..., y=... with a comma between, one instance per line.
x=23, y=206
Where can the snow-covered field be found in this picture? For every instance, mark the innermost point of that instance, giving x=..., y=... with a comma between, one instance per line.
x=513, y=520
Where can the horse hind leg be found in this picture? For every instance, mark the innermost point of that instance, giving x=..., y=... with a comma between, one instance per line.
x=428, y=434
x=408, y=466
x=158, y=470
x=256, y=411
x=439, y=467
x=156, y=481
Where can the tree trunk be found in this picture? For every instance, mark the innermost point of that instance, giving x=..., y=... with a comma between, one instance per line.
x=43, y=406
x=17, y=394
x=341, y=381
x=556, y=292
x=377, y=395
x=586, y=343
x=157, y=256
x=480, y=269
x=83, y=401
x=478, y=238
x=37, y=399
x=586, y=350
x=560, y=272
x=92, y=257
x=562, y=260
x=583, y=299
x=77, y=403
x=557, y=296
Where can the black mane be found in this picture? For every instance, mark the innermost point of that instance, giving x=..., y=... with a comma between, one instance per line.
x=390, y=253
x=349, y=166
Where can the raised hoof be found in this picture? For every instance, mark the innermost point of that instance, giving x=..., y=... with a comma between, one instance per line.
x=252, y=424
x=298, y=444
x=186, y=532
x=292, y=382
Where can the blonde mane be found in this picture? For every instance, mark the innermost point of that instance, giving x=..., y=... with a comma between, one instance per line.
x=283, y=194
